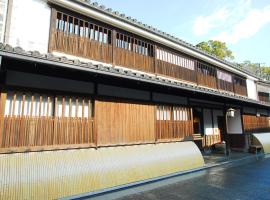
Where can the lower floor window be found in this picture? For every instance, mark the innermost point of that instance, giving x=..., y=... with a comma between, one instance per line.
x=32, y=119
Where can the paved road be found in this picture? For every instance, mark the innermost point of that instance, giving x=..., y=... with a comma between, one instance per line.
x=245, y=182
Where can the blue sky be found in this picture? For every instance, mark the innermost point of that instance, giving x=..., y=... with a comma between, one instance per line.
x=243, y=24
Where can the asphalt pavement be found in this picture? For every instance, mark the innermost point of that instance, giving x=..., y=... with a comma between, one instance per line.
x=244, y=182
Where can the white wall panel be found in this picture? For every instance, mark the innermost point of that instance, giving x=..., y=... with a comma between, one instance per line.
x=252, y=89
x=234, y=124
x=30, y=25
x=3, y=14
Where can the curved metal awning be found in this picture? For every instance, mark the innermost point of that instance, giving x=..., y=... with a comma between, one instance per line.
x=263, y=139
x=56, y=174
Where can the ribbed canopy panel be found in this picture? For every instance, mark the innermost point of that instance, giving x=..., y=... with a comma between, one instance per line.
x=55, y=174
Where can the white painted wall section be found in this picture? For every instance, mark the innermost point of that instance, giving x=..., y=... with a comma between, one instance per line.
x=30, y=25
x=3, y=15
x=252, y=89
x=234, y=124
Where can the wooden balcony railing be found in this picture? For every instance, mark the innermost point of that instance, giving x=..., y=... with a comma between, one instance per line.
x=134, y=60
x=175, y=71
x=239, y=89
x=224, y=85
x=206, y=80
x=87, y=38
x=256, y=124
x=81, y=47
x=264, y=96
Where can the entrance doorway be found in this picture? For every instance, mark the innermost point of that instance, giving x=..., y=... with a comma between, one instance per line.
x=198, y=127
x=222, y=127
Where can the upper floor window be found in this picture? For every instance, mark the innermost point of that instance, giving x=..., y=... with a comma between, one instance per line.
x=206, y=69
x=224, y=76
x=75, y=26
x=239, y=81
x=175, y=59
x=133, y=44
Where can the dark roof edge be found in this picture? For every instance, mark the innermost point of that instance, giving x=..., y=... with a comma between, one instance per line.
x=35, y=56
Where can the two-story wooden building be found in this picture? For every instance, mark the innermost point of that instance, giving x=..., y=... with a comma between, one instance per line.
x=92, y=99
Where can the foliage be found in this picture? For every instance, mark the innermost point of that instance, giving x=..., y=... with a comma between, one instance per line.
x=217, y=48
x=255, y=67
x=266, y=69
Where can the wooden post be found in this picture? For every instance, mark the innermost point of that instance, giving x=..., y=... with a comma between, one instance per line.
x=233, y=84
x=155, y=59
x=52, y=40
x=191, y=118
x=3, y=97
x=95, y=129
x=113, y=47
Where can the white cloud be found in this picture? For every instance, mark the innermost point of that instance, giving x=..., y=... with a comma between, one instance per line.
x=232, y=22
x=254, y=20
x=203, y=24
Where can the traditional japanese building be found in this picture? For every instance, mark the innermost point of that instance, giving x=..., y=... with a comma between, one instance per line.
x=93, y=100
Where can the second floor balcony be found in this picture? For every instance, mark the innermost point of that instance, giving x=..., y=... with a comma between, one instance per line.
x=88, y=38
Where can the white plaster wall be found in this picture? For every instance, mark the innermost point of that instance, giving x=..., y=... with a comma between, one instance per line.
x=207, y=121
x=30, y=25
x=234, y=124
x=3, y=15
x=252, y=89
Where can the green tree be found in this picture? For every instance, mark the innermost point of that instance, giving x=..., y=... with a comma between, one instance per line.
x=217, y=48
x=255, y=67
x=266, y=69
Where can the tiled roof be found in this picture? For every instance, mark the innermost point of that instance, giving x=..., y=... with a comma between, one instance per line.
x=135, y=22
x=35, y=56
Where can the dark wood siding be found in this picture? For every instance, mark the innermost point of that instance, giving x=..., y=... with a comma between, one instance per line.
x=254, y=124
x=124, y=123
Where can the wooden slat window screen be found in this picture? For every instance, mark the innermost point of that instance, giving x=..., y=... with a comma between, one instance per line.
x=134, y=53
x=34, y=120
x=175, y=65
x=225, y=81
x=132, y=44
x=253, y=124
x=206, y=75
x=82, y=38
x=264, y=96
x=240, y=86
x=173, y=123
